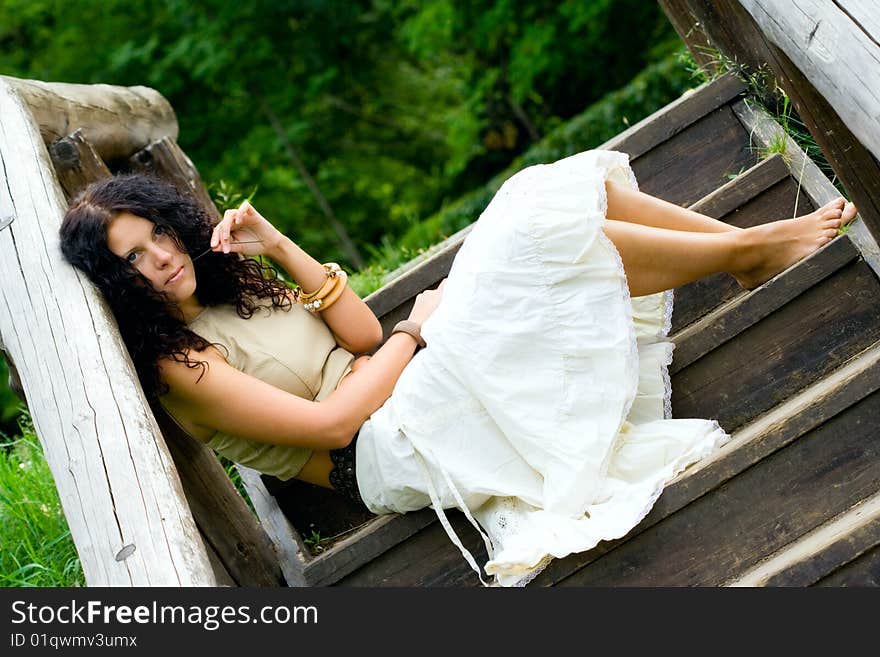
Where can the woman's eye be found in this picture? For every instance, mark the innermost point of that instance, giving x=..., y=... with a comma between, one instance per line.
x=131, y=257
x=160, y=230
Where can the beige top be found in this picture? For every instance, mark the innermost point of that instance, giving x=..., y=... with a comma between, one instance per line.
x=291, y=349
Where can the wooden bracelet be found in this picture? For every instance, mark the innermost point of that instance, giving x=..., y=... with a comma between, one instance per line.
x=411, y=327
x=331, y=270
x=341, y=280
x=334, y=295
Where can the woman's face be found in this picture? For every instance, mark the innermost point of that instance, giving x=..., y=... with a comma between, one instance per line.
x=151, y=251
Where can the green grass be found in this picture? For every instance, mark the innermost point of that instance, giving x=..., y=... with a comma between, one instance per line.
x=36, y=548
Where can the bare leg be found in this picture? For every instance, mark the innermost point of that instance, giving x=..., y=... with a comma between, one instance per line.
x=657, y=259
x=626, y=204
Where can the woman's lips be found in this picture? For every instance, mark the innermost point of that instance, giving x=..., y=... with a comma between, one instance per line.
x=176, y=277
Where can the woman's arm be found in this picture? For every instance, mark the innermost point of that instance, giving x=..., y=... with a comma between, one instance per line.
x=351, y=321
x=228, y=400
x=353, y=324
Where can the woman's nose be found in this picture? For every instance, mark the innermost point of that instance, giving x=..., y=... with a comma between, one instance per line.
x=161, y=255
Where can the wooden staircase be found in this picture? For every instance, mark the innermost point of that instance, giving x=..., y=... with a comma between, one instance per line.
x=789, y=369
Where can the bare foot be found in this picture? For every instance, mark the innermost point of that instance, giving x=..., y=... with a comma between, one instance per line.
x=776, y=246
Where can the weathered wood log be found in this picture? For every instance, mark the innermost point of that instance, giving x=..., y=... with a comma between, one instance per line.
x=120, y=492
x=76, y=163
x=167, y=160
x=117, y=121
x=833, y=49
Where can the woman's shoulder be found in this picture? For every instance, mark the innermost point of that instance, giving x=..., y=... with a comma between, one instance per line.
x=179, y=374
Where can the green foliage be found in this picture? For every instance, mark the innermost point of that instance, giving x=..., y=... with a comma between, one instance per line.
x=393, y=108
x=10, y=405
x=36, y=548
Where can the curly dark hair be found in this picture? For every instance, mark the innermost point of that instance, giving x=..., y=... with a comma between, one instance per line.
x=147, y=327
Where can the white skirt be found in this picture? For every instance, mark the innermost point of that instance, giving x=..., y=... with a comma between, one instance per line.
x=541, y=406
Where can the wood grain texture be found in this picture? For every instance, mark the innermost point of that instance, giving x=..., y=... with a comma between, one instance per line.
x=675, y=117
x=427, y=559
x=226, y=523
x=289, y=546
x=861, y=572
x=374, y=540
x=822, y=551
x=76, y=163
x=667, y=171
x=764, y=131
x=733, y=30
x=839, y=56
x=116, y=480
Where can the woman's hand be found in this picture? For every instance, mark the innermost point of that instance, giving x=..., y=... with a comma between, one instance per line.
x=426, y=302
x=245, y=231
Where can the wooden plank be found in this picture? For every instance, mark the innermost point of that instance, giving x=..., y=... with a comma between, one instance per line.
x=726, y=532
x=167, y=160
x=675, y=117
x=731, y=319
x=314, y=509
x=223, y=518
x=813, y=182
x=822, y=551
x=696, y=299
x=114, y=475
x=743, y=188
x=427, y=559
x=864, y=571
x=292, y=552
x=668, y=171
x=378, y=537
x=115, y=120
x=407, y=286
x=76, y=163
x=799, y=343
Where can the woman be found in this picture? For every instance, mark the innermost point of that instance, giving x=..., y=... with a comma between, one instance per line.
x=540, y=407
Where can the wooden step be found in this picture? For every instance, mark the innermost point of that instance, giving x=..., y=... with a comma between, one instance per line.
x=732, y=318
x=820, y=552
x=790, y=348
x=808, y=413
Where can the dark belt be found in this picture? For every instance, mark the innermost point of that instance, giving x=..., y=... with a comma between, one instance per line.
x=343, y=476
